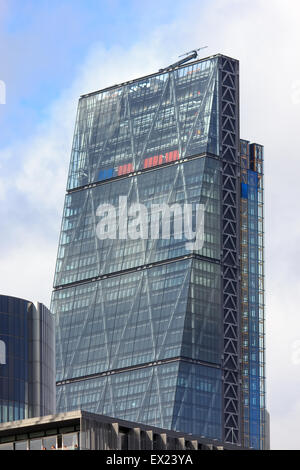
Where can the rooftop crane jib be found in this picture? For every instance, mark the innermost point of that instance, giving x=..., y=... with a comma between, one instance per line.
x=190, y=55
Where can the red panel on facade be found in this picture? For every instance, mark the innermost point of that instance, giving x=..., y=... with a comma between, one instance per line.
x=160, y=159
x=125, y=169
x=155, y=160
x=172, y=156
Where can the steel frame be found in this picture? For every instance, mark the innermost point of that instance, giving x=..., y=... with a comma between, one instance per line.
x=229, y=152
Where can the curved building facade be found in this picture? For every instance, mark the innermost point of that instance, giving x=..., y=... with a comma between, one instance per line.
x=27, y=359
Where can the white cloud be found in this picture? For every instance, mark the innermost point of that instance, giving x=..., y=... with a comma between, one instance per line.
x=2, y=190
x=27, y=269
x=264, y=35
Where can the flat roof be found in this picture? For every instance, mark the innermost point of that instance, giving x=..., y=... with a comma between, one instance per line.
x=19, y=426
x=16, y=298
x=12, y=428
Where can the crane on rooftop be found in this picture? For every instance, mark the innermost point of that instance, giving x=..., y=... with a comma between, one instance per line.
x=189, y=56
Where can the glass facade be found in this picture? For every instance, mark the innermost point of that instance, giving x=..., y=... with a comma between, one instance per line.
x=145, y=123
x=14, y=371
x=157, y=313
x=27, y=367
x=83, y=256
x=147, y=326
x=252, y=270
x=177, y=395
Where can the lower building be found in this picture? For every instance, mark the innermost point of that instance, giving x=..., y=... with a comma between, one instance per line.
x=27, y=360
x=80, y=430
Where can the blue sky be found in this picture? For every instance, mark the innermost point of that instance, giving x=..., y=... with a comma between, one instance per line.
x=53, y=51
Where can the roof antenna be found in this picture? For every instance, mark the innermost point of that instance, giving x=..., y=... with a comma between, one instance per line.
x=190, y=55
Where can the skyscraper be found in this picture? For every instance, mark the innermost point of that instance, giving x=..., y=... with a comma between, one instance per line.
x=151, y=325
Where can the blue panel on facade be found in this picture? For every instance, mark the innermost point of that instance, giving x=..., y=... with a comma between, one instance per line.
x=101, y=175
x=110, y=172
x=253, y=178
x=106, y=174
x=244, y=190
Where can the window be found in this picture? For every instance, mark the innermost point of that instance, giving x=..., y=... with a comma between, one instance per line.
x=9, y=446
x=36, y=444
x=49, y=443
x=22, y=445
x=70, y=441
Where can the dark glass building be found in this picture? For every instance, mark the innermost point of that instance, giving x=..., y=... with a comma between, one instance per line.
x=149, y=329
x=27, y=360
